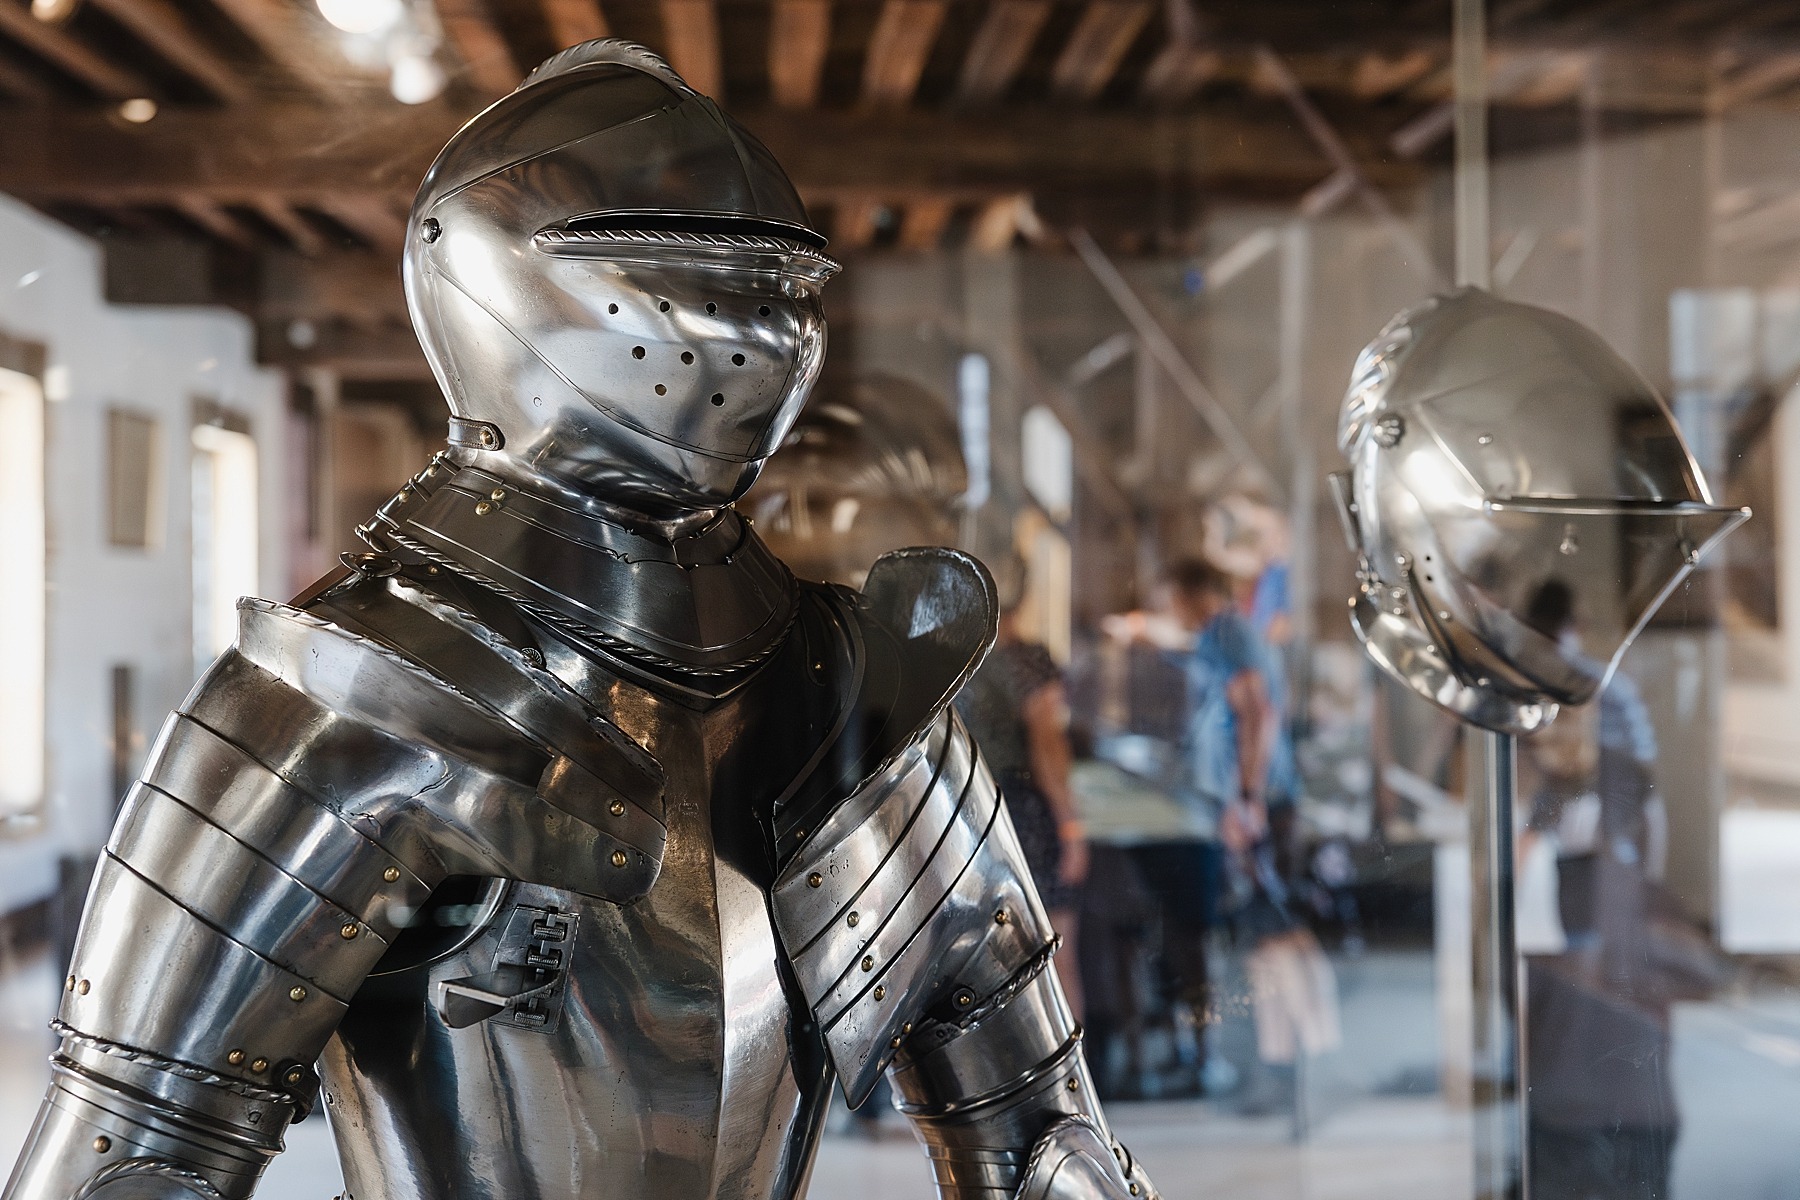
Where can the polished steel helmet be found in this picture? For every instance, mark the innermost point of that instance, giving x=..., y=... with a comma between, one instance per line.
x=616, y=286
x=1522, y=501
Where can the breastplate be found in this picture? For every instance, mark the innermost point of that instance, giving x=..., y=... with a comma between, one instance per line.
x=673, y=1060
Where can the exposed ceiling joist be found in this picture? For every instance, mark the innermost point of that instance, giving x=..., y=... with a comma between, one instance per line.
x=213, y=218
x=68, y=53
x=858, y=222
x=370, y=218
x=293, y=226
x=691, y=35
x=1097, y=46
x=1000, y=47
x=898, y=50
x=575, y=21
x=799, y=36
x=161, y=27
x=291, y=39
x=1771, y=75
x=1177, y=72
x=1377, y=76
x=492, y=68
x=308, y=155
x=923, y=224
x=22, y=85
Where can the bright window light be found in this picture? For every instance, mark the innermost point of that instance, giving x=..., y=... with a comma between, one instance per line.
x=362, y=16
x=22, y=600
x=224, y=535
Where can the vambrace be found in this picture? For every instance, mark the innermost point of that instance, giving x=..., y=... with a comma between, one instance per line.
x=1004, y=1104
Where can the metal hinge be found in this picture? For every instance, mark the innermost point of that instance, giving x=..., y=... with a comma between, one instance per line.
x=525, y=987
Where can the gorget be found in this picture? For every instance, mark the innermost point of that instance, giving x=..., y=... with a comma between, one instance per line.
x=713, y=603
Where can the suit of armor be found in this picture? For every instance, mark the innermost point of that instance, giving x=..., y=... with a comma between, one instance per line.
x=570, y=839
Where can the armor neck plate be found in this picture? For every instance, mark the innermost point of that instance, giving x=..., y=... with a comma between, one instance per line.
x=713, y=603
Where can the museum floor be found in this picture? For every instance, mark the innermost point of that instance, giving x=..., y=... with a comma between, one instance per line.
x=1737, y=1066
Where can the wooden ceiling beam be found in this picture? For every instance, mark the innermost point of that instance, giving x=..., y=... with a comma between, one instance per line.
x=22, y=85
x=62, y=49
x=1377, y=76
x=213, y=218
x=923, y=222
x=573, y=22
x=293, y=226
x=371, y=218
x=691, y=39
x=1097, y=46
x=899, y=49
x=858, y=222
x=160, y=26
x=292, y=40
x=478, y=41
x=799, y=36
x=1178, y=71
x=308, y=155
x=1000, y=48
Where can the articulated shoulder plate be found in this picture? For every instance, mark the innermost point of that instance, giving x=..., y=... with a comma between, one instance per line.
x=908, y=643
x=593, y=822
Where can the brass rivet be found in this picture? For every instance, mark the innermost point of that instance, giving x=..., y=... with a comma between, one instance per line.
x=894, y=1042
x=483, y=509
x=82, y=987
x=1134, y=1189
x=70, y=985
x=260, y=1065
x=853, y=919
x=815, y=880
x=348, y=931
x=392, y=874
x=964, y=999
x=881, y=991
x=295, y=1076
x=487, y=437
x=1074, y=1085
x=430, y=472
x=431, y=570
x=102, y=1144
x=868, y=962
x=297, y=994
x=616, y=808
x=618, y=858
x=235, y=1058
x=1002, y=917
x=906, y=1028
x=497, y=494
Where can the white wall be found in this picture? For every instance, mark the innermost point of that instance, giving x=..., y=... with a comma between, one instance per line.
x=110, y=605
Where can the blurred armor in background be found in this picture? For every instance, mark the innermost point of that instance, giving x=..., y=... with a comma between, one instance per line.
x=869, y=468
x=572, y=839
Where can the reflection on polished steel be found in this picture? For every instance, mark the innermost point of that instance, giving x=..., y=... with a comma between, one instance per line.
x=1510, y=474
x=869, y=467
x=566, y=844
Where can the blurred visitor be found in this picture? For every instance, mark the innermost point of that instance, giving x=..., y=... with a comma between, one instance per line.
x=1602, y=1111
x=1018, y=711
x=1235, y=738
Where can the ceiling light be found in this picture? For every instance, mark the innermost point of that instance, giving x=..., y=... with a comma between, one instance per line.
x=416, y=78
x=138, y=110
x=54, y=12
x=362, y=16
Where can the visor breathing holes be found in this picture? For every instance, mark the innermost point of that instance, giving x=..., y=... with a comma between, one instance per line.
x=613, y=309
x=661, y=390
x=737, y=360
x=711, y=309
x=663, y=307
x=687, y=357
x=718, y=399
x=763, y=311
x=637, y=352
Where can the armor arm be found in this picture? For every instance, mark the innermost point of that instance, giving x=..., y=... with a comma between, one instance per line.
x=922, y=945
x=302, y=803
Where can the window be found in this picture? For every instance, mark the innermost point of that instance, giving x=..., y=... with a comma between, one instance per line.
x=22, y=607
x=225, y=508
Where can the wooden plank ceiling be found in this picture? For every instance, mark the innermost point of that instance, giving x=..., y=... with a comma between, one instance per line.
x=275, y=148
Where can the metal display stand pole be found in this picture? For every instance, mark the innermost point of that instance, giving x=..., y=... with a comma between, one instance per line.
x=1499, y=1033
